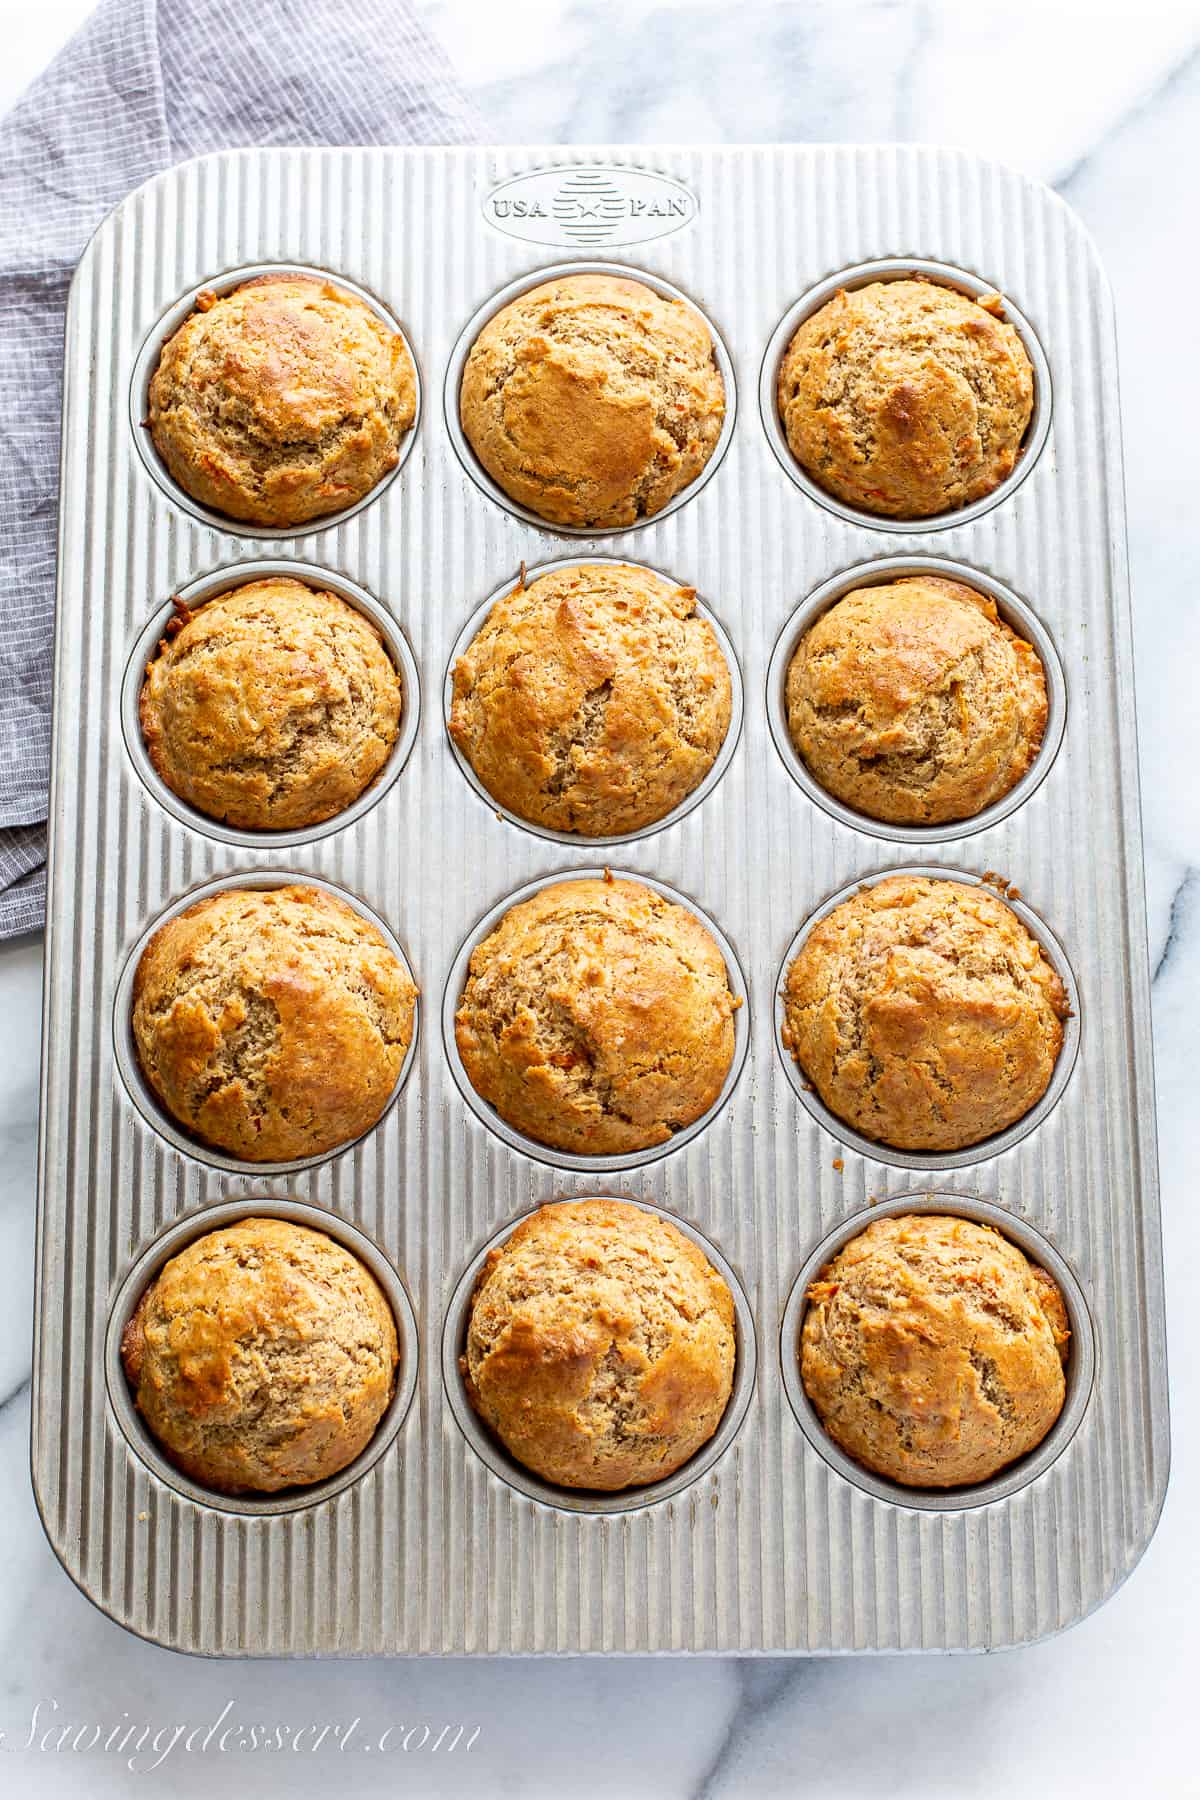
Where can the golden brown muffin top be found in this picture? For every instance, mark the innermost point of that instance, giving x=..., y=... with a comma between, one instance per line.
x=281, y=401
x=601, y=1347
x=272, y=1022
x=597, y=1017
x=933, y=1350
x=912, y=701
x=262, y=1357
x=273, y=706
x=906, y=398
x=924, y=1013
x=592, y=400
x=594, y=700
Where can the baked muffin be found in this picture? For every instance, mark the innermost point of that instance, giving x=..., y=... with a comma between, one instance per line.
x=600, y=1347
x=594, y=700
x=281, y=401
x=924, y=1013
x=592, y=400
x=914, y=702
x=262, y=1356
x=271, y=707
x=272, y=1023
x=597, y=1017
x=933, y=1350
x=905, y=398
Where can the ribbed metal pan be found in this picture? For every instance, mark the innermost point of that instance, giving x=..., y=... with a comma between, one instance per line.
x=776, y=1545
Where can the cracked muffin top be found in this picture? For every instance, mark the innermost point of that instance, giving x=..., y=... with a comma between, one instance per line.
x=597, y=1017
x=914, y=702
x=906, y=398
x=261, y=1357
x=281, y=401
x=272, y=706
x=600, y=1347
x=933, y=1350
x=592, y=400
x=924, y=1013
x=272, y=1023
x=593, y=700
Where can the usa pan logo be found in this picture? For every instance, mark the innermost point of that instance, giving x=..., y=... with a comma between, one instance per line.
x=589, y=208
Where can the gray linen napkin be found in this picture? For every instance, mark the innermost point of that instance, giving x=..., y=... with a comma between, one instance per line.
x=145, y=84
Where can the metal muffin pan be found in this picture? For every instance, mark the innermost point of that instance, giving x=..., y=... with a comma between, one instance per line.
x=438, y=1547
x=895, y=268
x=148, y=360
x=489, y=1448
x=689, y=802
x=988, y=1147
x=143, y=1272
x=209, y=587
x=1080, y=1369
x=1015, y=614
x=513, y=291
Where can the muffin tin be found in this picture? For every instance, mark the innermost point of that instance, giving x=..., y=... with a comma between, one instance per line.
x=433, y=1540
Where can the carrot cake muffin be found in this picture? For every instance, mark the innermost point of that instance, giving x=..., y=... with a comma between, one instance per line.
x=906, y=398
x=594, y=700
x=924, y=1013
x=914, y=702
x=261, y=1357
x=271, y=707
x=272, y=1023
x=933, y=1350
x=597, y=1017
x=281, y=401
x=593, y=400
x=601, y=1347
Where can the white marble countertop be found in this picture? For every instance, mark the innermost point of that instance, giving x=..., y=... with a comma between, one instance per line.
x=1104, y=101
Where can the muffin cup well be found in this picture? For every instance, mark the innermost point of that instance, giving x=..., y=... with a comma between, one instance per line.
x=197, y=593
x=488, y=1447
x=169, y=1243
x=546, y=1153
x=1080, y=1368
x=130, y=1068
x=894, y=268
x=870, y=1148
x=476, y=470
x=147, y=362
x=577, y=839
x=1015, y=614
